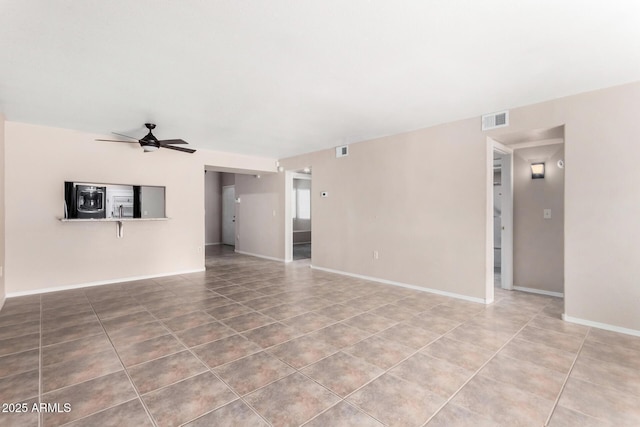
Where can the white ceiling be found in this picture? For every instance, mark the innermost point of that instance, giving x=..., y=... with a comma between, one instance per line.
x=283, y=77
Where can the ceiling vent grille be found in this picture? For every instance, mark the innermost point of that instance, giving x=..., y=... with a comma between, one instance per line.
x=495, y=120
x=342, y=151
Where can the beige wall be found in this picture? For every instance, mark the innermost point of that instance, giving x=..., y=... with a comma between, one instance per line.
x=429, y=223
x=2, y=197
x=213, y=207
x=260, y=215
x=44, y=253
x=538, y=243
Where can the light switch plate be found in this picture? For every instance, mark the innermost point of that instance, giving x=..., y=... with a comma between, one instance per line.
x=547, y=214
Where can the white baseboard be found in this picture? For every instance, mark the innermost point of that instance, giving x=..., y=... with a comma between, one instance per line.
x=213, y=244
x=261, y=256
x=599, y=325
x=406, y=285
x=538, y=291
x=99, y=283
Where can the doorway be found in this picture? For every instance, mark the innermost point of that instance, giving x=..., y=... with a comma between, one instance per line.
x=301, y=216
x=228, y=215
x=502, y=216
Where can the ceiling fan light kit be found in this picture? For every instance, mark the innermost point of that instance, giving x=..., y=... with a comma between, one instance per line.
x=150, y=143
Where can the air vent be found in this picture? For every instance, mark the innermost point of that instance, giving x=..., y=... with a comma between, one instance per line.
x=495, y=120
x=342, y=151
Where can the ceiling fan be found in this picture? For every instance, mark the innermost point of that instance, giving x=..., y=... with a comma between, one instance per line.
x=150, y=143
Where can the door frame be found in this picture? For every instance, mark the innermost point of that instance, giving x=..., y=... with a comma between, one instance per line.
x=234, y=214
x=288, y=215
x=506, y=251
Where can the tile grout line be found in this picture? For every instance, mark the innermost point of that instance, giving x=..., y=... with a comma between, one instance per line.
x=124, y=368
x=209, y=369
x=483, y=365
x=566, y=380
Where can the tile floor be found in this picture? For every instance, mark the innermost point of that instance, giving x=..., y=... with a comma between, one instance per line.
x=255, y=343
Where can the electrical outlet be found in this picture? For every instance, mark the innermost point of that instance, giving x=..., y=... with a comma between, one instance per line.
x=376, y=255
x=547, y=214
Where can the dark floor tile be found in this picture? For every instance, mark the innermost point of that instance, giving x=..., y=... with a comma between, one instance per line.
x=89, y=397
x=621, y=409
x=150, y=349
x=248, y=321
x=131, y=413
x=16, y=388
x=452, y=415
x=69, y=320
x=434, y=375
x=164, y=371
x=204, y=333
x=408, y=335
x=19, y=344
x=16, y=319
x=343, y=415
x=561, y=341
x=303, y=351
x=137, y=333
x=607, y=374
x=370, y=322
x=71, y=333
x=539, y=354
x=32, y=327
x=380, y=352
x=25, y=418
x=79, y=369
x=340, y=335
x=308, y=322
x=270, y=335
x=291, y=401
x=230, y=310
x=342, y=373
x=252, y=372
x=186, y=321
x=235, y=413
x=188, y=399
x=525, y=376
x=74, y=350
x=114, y=324
x=396, y=402
x=17, y=363
x=503, y=403
x=225, y=350
x=563, y=417
x=465, y=355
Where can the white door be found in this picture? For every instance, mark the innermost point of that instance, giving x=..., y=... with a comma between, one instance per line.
x=229, y=215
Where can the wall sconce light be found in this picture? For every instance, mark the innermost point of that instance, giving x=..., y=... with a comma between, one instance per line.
x=537, y=170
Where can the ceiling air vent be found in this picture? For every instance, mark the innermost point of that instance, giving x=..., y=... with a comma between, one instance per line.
x=495, y=120
x=342, y=151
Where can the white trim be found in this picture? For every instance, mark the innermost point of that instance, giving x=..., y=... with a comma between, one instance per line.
x=538, y=291
x=599, y=325
x=100, y=283
x=288, y=217
x=297, y=175
x=261, y=256
x=4, y=298
x=405, y=285
x=213, y=244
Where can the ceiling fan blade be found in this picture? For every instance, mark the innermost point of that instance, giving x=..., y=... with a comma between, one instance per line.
x=117, y=140
x=172, y=141
x=185, y=150
x=126, y=136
